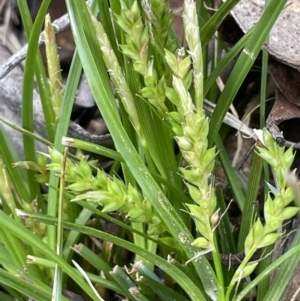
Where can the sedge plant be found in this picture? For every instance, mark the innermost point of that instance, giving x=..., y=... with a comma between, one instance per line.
x=160, y=193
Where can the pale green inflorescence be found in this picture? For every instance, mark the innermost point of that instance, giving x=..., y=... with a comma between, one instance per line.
x=191, y=128
x=192, y=35
x=118, y=77
x=189, y=124
x=110, y=192
x=277, y=207
x=53, y=63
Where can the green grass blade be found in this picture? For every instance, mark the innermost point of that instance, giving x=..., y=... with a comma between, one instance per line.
x=230, y=55
x=230, y=174
x=93, y=148
x=251, y=196
x=8, y=297
x=33, y=33
x=165, y=293
x=211, y=26
x=14, y=247
x=94, y=259
x=226, y=237
x=27, y=91
x=24, y=287
x=17, y=176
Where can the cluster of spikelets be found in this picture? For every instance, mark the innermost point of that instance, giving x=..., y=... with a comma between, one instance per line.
x=188, y=122
x=277, y=207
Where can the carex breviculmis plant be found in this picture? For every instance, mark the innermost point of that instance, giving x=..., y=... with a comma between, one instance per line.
x=172, y=85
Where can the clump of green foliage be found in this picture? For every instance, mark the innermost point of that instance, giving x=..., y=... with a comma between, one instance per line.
x=161, y=185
